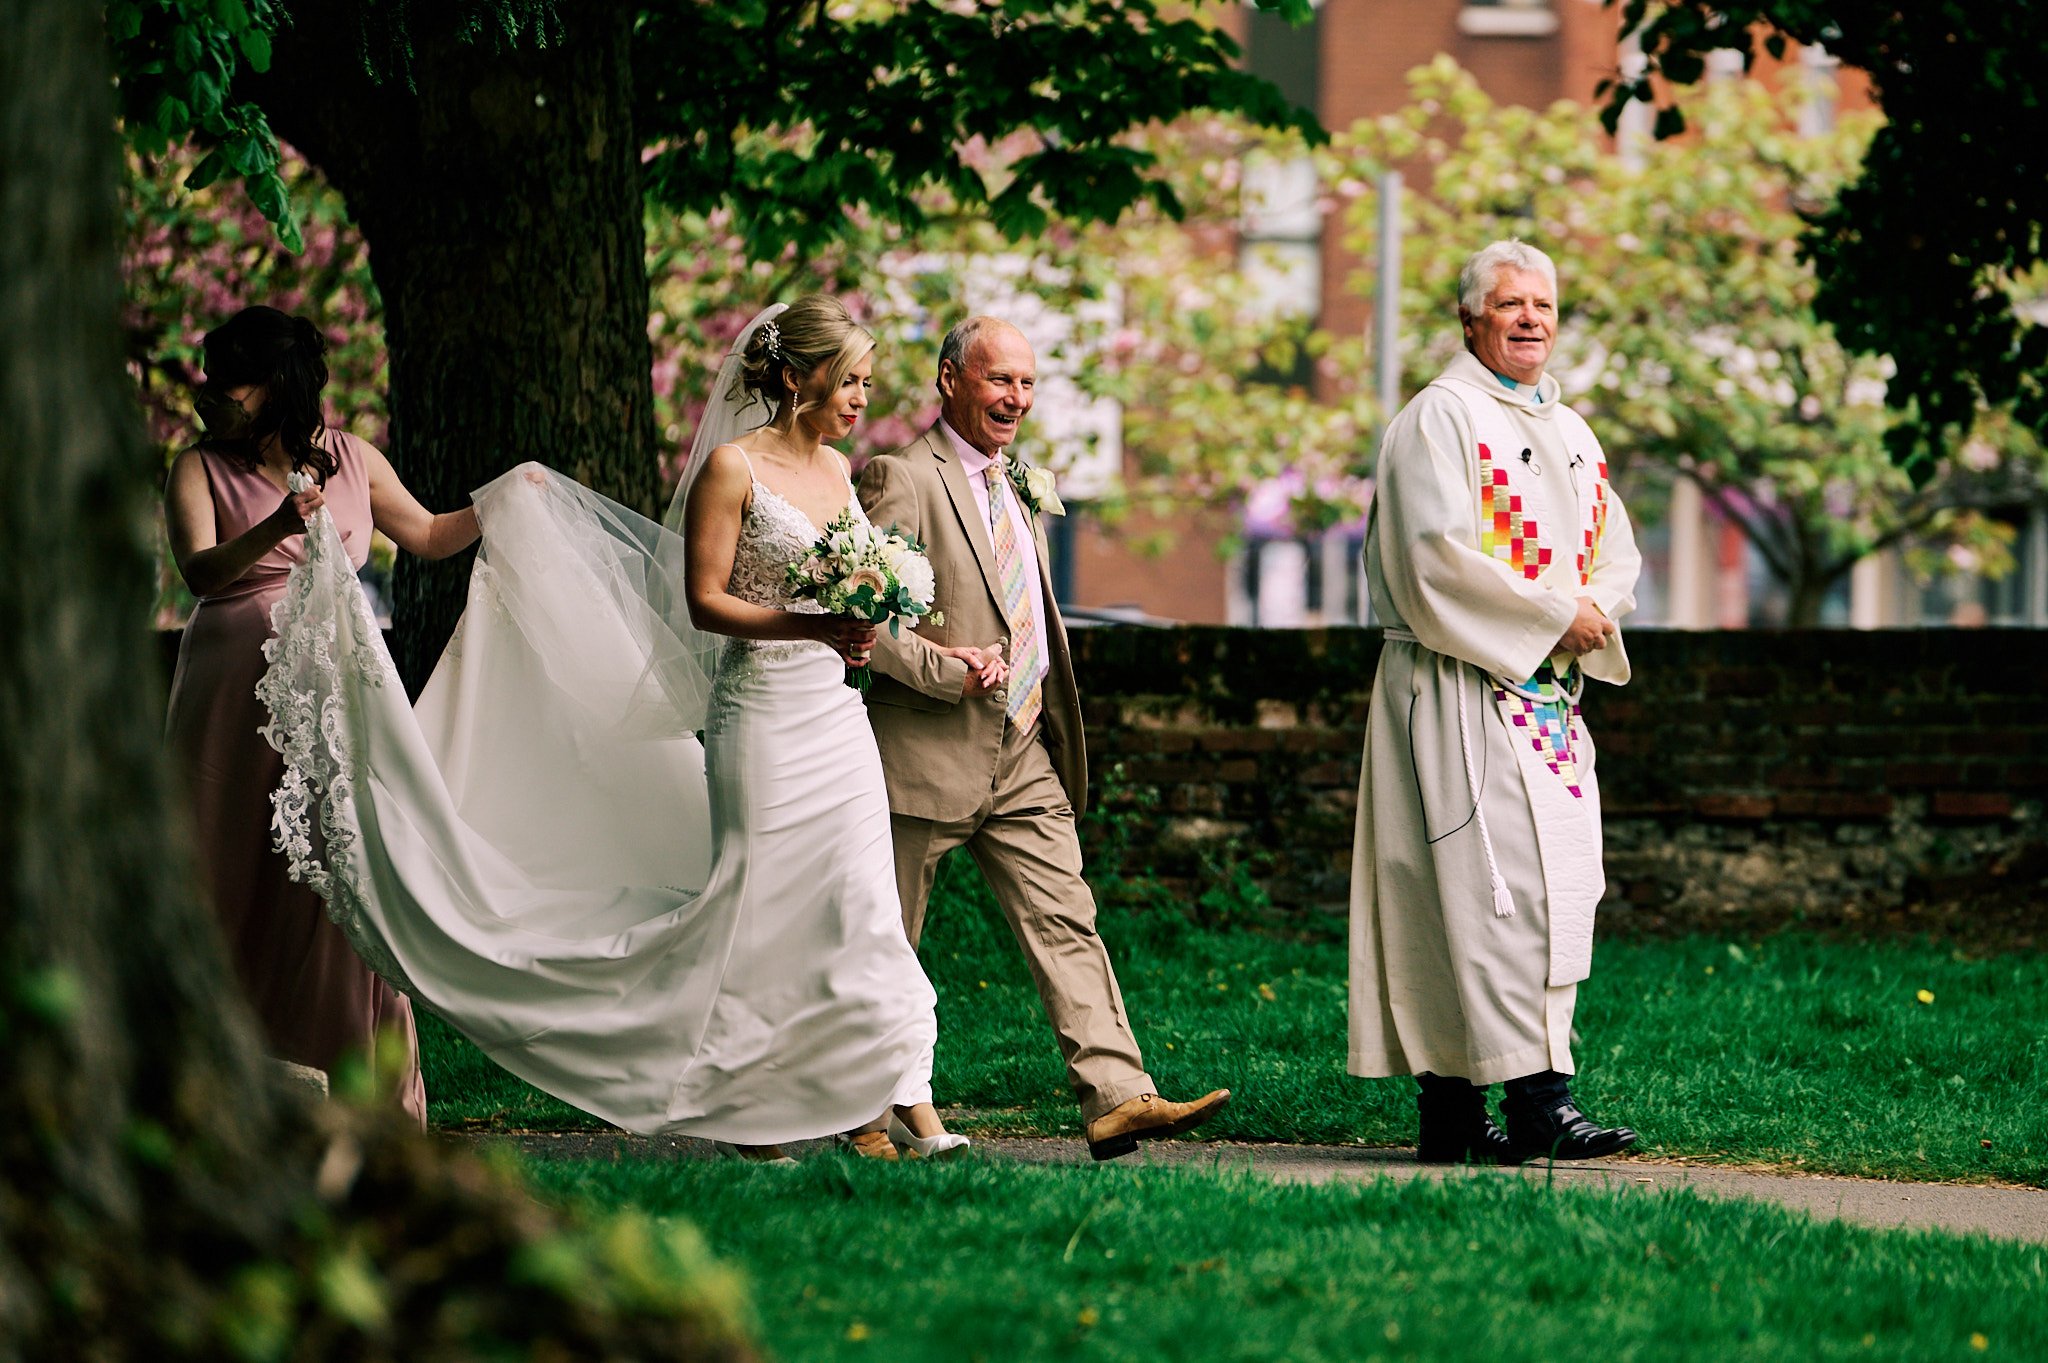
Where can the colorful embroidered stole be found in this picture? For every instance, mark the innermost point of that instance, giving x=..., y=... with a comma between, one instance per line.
x=1540, y=709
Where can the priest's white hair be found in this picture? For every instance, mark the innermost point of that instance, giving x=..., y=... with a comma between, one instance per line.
x=1482, y=271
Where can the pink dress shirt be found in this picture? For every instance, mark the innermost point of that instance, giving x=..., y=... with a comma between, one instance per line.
x=977, y=465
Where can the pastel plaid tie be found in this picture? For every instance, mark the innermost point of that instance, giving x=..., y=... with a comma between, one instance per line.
x=1027, y=663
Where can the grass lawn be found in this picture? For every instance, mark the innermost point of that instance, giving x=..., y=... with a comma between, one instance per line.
x=974, y=1261
x=1794, y=1050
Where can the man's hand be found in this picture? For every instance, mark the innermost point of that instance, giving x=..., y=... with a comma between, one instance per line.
x=1589, y=630
x=986, y=669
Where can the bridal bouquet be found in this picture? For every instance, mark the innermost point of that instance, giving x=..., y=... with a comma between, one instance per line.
x=877, y=576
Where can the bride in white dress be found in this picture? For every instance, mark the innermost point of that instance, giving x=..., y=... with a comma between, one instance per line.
x=680, y=937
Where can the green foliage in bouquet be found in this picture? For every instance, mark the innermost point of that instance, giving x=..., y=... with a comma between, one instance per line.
x=878, y=576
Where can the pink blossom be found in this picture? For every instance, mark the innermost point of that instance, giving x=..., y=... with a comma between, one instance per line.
x=888, y=433
x=667, y=369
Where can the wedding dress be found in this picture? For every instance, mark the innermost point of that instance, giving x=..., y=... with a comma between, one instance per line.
x=676, y=936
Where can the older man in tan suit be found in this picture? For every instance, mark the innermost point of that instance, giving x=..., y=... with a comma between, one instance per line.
x=991, y=757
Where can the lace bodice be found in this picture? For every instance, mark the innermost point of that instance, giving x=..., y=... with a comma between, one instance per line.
x=773, y=535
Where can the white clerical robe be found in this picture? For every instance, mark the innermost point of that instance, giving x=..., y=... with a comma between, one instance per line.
x=1476, y=867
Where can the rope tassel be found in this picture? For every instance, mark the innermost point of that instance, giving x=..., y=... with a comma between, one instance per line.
x=1503, y=902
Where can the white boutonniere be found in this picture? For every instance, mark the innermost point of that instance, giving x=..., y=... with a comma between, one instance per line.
x=1036, y=487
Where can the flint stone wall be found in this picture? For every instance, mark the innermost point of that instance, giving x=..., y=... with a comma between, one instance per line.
x=1830, y=775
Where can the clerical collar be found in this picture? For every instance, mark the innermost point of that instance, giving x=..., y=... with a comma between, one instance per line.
x=1534, y=390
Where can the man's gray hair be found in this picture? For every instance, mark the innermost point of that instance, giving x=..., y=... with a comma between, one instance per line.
x=1482, y=271
x=960, y=341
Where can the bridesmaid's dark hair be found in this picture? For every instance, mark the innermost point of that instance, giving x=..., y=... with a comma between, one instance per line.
x=286, y=354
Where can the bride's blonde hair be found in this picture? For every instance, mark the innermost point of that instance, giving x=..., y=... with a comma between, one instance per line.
x=815, y=330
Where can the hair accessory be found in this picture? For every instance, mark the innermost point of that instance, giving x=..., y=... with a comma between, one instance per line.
x=771, y=338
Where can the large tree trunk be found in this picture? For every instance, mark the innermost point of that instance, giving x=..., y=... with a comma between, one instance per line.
x=133, y=1080
x=157, y=1199
x=500, y=196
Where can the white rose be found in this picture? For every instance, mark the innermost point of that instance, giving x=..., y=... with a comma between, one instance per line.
x=1044, y=490
x=915, y=573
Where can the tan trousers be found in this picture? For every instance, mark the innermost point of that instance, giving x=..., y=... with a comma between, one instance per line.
x=1024, y=840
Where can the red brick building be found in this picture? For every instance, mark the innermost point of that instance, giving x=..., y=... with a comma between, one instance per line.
x=1351, y=63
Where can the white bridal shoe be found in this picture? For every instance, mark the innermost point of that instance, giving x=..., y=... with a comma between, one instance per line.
x=945, y=1145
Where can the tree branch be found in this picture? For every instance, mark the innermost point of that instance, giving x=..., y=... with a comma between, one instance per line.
x=1719, y=494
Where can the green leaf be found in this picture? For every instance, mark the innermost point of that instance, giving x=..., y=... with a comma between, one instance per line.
x=231, y=15
x=53, y=994
x=204, y=88
x=256, y=47
x=124, y=21
x=257, y=1316
x=149, y=1143
x=1296, y=12
x=267, y=193
x=351, y=1290
x=210, y=169
x=172, y=117
x=246, y=153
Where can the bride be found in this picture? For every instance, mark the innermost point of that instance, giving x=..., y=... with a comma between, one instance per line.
x=678, y=936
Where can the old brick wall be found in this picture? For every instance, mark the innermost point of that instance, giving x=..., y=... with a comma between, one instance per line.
x=1823, y=775
x=1828, y=776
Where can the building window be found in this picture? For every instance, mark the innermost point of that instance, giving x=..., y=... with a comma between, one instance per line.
x=1280, y=237
x=1286, y=55
x=1292, y=582
x=1817, y=115
x=1507, y=19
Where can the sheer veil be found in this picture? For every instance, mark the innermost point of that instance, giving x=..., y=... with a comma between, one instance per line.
x=529, y=851
x=729, y=414
x=726, y=417
x=596, y=590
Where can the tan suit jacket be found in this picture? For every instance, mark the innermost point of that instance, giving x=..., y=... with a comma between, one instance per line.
x=939, y=749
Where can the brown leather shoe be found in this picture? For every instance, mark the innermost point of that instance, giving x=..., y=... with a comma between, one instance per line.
x=868, y=1145
x=1149, y=1118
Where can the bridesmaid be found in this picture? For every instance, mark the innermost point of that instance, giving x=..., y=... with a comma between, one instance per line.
x=236, y=534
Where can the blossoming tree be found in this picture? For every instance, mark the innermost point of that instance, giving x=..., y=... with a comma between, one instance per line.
x=1688, y=331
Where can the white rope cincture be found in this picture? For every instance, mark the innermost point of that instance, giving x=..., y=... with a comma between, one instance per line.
x=1503, y=902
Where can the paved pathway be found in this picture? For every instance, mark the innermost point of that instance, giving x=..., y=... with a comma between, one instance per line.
x=2005, y=1212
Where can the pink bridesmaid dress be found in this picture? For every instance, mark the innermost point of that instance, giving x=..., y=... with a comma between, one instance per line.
x=317, y=1001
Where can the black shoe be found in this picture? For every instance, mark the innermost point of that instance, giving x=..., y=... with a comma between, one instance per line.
x=1464, y=1142
x=1456, y=1128
x=1560, y=1132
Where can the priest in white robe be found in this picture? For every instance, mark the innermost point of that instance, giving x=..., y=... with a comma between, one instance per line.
x=1500, y=561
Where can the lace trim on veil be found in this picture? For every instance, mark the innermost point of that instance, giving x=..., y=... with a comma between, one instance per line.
x=319, y=627
x=326, y=651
